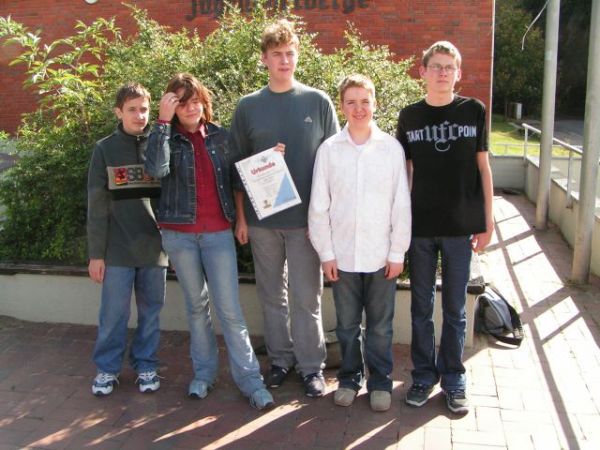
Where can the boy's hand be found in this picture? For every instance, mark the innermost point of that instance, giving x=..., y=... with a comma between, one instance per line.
x=280, y=148
x=96, y=270
x=241, y=231
x=480, y=241
x=168, y=103
x=330, y=270
x=393, y=270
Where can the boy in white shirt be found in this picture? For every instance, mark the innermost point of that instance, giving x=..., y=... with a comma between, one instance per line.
x=360, y=225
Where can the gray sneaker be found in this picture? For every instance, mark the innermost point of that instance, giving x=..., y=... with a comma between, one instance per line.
x=380, y=400
x=457, y=402
x=261, y=399
x=344, y=396
x=198, y=389
x=418, y=394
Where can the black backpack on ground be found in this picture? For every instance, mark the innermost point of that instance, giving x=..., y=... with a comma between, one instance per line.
x=496, y=317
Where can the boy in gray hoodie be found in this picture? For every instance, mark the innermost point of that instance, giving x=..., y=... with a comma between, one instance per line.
x=124, y=245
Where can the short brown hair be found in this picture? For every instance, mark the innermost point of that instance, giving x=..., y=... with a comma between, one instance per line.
x=444, y=47
x=191, y=85
x=279, y=33
x=355, y=80
x=129, y=91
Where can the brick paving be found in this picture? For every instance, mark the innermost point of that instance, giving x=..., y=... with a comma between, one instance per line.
x=544, y=395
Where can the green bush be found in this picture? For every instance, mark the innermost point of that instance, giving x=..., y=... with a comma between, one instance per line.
x=44, y=195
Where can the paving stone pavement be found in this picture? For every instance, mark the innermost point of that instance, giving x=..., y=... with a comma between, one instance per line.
x=544, y=395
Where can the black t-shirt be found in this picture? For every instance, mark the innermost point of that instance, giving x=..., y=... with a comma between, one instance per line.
x=442, y=142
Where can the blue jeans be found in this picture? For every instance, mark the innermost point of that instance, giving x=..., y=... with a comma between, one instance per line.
x=371, y=292
x=149, y=283
x=206, y=264
x=456, y=261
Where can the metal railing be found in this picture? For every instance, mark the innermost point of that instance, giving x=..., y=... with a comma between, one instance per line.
x=557, y=144
x=502, y=149
x=572, y=149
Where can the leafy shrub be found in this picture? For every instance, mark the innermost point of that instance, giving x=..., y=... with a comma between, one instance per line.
x=76, y=77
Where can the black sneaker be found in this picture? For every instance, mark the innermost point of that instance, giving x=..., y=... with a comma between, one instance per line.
x=456, y=401
x=276, y=376
x=314, y=385
x=418, y=394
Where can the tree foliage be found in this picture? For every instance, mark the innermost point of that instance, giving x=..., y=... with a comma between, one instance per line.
x=44, y=194
x=573, y=45
x=76, y=77
x=518, y=73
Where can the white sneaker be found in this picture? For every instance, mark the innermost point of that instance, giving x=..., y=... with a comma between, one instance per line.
x=148, y=381
x=104, y=383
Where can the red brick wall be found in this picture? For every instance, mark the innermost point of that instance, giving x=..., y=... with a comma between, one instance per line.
x=406, y=26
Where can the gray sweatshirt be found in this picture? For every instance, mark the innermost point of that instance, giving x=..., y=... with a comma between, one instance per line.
x=301, y=118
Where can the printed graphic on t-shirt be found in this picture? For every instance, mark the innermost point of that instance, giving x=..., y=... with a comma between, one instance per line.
x=442, y=135
x=130, y=176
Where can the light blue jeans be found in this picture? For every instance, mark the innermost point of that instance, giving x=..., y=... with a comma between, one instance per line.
x=206, y=265
x=117, y=287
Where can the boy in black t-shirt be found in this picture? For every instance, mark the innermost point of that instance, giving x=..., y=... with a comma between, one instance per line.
x=445, y=141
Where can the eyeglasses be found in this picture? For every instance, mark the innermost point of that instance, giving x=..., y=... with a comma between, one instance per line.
x=439, y=68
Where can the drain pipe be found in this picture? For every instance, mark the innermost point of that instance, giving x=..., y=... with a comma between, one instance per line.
x=550, y=64
x=582, y=251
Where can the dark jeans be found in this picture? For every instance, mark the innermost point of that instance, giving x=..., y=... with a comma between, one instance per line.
x=371, y=292
x=456, y=260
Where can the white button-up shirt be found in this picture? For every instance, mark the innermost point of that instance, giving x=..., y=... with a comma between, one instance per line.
x=359, y=210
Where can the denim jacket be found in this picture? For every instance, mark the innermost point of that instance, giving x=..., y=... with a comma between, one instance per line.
x=170, y=157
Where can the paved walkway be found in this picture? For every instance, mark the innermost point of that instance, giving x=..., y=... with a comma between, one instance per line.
x=544, y=395
x=568, y=130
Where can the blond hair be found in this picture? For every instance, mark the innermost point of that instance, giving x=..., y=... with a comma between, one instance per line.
x=355, y=80
x=444, y=47
x=279, y=33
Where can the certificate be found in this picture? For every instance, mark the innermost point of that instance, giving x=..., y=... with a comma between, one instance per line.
x=268, y=183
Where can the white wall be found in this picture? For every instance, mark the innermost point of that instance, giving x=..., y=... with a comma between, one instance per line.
x=508, y=171
x=559, y=212
x=76, y=299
